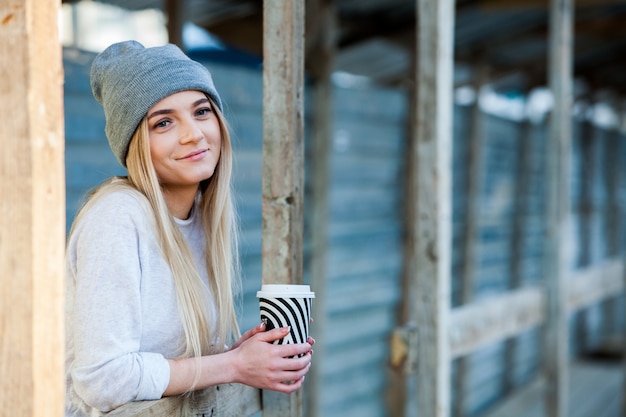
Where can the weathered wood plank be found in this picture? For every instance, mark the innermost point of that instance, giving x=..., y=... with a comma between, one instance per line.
x=588, y=170
x=175, y=11
x=283, y=156
x=614, y=184
x=517, y=240
x=490, y=320
x=170, y=406
x=475, y=162
x=431, y=231
x=320, y=59
x=227, y=400
x=283, y=160
x=32, y=210
x=558, y=238
x=402, y=351
x=594, y=284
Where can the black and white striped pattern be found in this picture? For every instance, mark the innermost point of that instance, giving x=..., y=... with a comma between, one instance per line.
x=281, y=312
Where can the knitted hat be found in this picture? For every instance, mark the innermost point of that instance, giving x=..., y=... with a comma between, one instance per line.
x=128, y=79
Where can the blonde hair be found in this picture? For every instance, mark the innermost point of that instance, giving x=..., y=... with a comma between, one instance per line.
x=214, y=202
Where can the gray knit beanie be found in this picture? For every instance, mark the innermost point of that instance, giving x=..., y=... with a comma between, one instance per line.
x=128, y=79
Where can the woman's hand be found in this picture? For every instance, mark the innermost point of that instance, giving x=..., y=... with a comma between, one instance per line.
x=253, y=360
x=247, y=335
x=261, y=364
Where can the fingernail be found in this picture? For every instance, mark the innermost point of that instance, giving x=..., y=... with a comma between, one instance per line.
x=261, y=325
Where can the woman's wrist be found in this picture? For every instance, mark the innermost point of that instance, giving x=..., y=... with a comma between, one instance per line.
x=214, y=370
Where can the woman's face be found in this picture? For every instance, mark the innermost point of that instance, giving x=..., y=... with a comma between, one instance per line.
x=185, y=139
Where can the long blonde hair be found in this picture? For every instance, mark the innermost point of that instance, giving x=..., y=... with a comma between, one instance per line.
x=214, y=202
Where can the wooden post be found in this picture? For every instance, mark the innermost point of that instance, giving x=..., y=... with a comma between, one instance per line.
x=558, y=195
x=520, y=204
x=475, y=157
x=283, y=160
x=588, y=158
x=320, y=62
x=402, y=346
x=175, y=10
x=431, y=230
x=614, y=184
x=32, y=211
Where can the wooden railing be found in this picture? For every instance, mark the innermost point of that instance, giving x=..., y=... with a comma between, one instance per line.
x=499, y=317
x=472, y=326
x=228, y=400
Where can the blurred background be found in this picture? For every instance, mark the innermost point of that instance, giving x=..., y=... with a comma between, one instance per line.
x=499, y=192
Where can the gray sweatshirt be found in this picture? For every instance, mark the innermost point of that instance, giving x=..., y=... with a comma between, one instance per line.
x=122, y=319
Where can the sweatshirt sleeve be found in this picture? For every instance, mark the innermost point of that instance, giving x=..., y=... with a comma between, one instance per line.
x=109, y=369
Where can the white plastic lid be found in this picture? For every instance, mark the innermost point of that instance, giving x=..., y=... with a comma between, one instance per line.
x=285, y=291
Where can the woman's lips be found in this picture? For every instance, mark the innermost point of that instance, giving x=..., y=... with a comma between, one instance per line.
x=195, y=155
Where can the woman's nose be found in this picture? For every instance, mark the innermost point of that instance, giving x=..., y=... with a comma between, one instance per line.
x=191, y=132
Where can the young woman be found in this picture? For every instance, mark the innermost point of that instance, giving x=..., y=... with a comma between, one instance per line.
x=151, y=276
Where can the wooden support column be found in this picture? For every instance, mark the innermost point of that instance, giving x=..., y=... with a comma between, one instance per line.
x=588, y=160
x=432, y=205
x=175, y=10
x=403, y=339
x=320, y=61
x=518, y=228
x=475, y=162
x=559, y=218
x=613, y=184
x=283, y=161
x=620, y=173
x=32, y=211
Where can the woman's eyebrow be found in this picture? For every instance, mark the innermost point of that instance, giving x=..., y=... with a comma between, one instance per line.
x=169, y=111
x=200, y=101
x=159, y=112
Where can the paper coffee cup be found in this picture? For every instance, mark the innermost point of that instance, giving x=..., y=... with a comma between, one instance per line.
x=286, y=305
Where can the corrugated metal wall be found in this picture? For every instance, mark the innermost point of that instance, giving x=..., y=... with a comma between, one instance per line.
x=364, y=252
x=498, y=191
x=366, y=198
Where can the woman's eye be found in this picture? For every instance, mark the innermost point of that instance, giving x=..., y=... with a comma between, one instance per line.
x=161, y=124
x=203, y=111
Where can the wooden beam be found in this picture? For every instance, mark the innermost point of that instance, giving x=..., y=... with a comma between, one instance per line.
x=490, y=320
x=587, y=180
x=496, y=318
x=471, y=238
x=614, y=184
x=431, y=231
x=175, y=10
x=595, y=284
x=32, y=211
x=283, y=161
x=402, y=351
x=226, y=400
x=320, y=60
x=560, y=81
x=517, y=240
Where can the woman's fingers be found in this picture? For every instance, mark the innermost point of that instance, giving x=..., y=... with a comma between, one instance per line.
x=274, y=334
x=289, y=350
x=247, y=335
x=290, y=381
x=278, y=367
